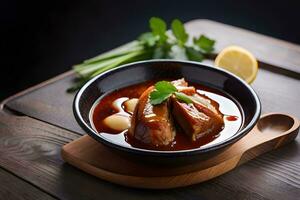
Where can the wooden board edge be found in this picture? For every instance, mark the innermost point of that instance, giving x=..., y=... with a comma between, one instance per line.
x=167, y=182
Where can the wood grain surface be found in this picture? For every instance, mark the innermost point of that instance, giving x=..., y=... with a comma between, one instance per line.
x=35, y=124
x=13, y=188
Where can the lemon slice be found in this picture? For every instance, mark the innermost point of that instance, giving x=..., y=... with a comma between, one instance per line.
x=238, y=61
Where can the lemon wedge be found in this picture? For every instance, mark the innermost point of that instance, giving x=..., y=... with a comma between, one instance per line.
x=238, y=61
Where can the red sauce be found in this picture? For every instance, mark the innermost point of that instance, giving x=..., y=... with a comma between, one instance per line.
x=104, y=109
x=231, y=118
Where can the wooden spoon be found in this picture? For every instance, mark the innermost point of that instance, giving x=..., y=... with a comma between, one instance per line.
x=272, y=131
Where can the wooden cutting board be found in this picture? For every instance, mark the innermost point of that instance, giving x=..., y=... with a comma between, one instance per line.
x=96, y=159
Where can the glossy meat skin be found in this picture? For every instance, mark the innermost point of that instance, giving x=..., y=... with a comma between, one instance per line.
x=152, y=124
x=196, y=120
x=182, y=86
x=199, y=118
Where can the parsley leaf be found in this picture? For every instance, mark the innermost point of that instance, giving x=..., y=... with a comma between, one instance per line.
x=157, y=97
x=179, y=32
x=165, y=87
x=193, y=54
x=159, y=28
x=183, y=97
x=205, y=43
x=163, y=90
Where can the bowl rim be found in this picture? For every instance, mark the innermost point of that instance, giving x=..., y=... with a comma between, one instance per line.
x=97, y=136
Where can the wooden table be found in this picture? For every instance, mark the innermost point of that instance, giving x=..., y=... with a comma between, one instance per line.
x=34, y=124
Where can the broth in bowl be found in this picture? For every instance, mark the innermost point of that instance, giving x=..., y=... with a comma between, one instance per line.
x=200, y=116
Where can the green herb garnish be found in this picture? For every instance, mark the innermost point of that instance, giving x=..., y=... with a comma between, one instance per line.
x=183, y=97
x=179, y=32
x=157, y=44
x=205, y=43
x=163, y=90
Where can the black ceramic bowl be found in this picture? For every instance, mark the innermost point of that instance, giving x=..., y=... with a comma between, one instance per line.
x=139, y=72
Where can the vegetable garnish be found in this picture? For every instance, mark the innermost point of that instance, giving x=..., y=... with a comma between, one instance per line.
x=157, y=44
x=183, y=97
x=163, y=90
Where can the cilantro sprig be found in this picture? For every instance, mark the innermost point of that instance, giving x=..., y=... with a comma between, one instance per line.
x=159, y=43
x=163, y=90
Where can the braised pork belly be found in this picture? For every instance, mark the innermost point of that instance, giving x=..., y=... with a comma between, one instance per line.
x=152, y=124
x=198, y=118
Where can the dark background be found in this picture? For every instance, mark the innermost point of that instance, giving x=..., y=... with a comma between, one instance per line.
x=44, y=38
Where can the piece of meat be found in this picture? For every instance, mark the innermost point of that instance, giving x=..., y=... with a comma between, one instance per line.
x=199, y=118
x=195, y=119
x=182, y=86
x=180, y=82
x=152, y=124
